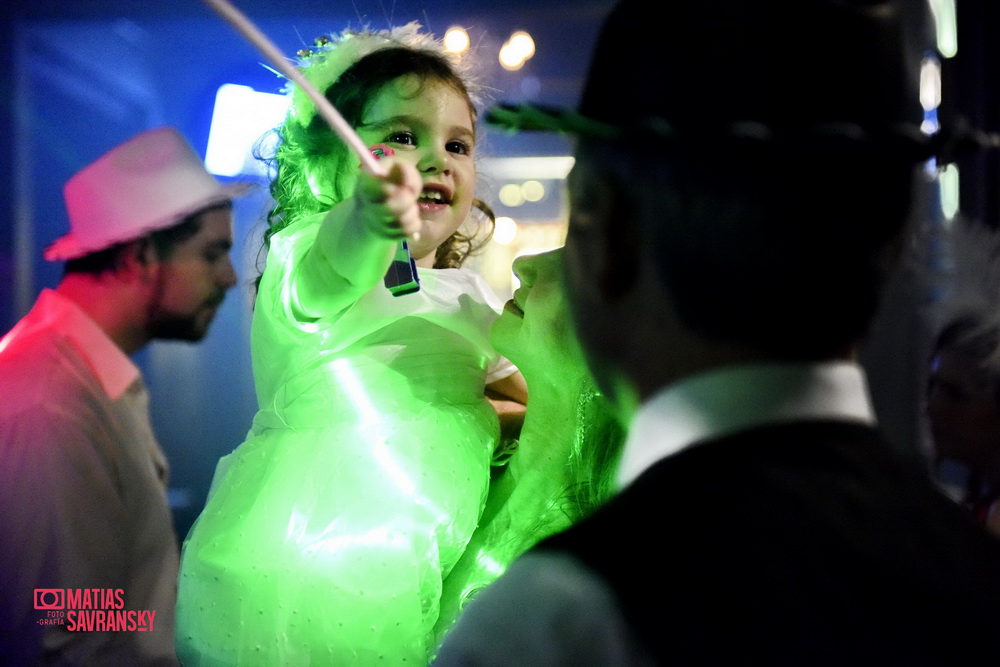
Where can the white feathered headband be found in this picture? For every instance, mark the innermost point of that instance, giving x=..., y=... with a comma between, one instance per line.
x=331, y=56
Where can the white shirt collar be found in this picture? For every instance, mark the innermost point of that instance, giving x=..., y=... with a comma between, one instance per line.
x=729, y=400
x=112, y=367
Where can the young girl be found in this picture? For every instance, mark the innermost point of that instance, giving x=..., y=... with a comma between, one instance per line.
x=329, y=531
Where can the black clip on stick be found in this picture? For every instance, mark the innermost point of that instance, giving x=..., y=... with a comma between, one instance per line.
x=402, y=278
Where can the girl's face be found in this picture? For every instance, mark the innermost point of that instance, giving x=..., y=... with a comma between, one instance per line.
x=428, y=124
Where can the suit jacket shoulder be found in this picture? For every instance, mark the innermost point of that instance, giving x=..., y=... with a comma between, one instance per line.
x=812, y=543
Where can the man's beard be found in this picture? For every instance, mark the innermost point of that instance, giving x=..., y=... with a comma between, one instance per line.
x=166, y=325
x=170, y=326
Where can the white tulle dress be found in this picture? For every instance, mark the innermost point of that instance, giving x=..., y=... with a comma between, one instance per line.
x=328, y=532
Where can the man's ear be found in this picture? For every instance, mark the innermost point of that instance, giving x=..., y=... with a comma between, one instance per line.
x=138, y=258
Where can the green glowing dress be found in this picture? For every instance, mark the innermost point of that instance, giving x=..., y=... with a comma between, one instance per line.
x=328, y=532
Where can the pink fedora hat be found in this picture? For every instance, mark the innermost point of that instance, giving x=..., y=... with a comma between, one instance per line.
x=150, y=182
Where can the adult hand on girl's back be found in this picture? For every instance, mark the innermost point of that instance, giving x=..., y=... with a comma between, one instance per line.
x=387, y=205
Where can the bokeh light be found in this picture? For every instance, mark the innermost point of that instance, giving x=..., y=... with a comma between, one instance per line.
x=456, y=40
x=930, y=84
x=511, y=195
x=505, y=231
x=518, y=49
x=533, y=191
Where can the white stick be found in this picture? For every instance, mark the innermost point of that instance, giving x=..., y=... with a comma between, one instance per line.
x=323, y=106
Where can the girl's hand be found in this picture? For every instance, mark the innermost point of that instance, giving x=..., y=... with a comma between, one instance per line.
x=387, y=205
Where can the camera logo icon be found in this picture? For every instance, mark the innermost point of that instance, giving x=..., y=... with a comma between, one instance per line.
x=50, y=598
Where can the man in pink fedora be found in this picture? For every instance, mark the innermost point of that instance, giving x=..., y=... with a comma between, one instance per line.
x=88, y=554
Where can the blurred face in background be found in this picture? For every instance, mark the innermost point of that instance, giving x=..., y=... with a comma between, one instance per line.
x=963, y=408
x=192, y=281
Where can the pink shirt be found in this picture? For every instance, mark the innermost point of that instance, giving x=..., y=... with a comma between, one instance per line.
x=82, y=498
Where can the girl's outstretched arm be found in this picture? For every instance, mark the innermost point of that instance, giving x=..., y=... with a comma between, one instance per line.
x=356, y=241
